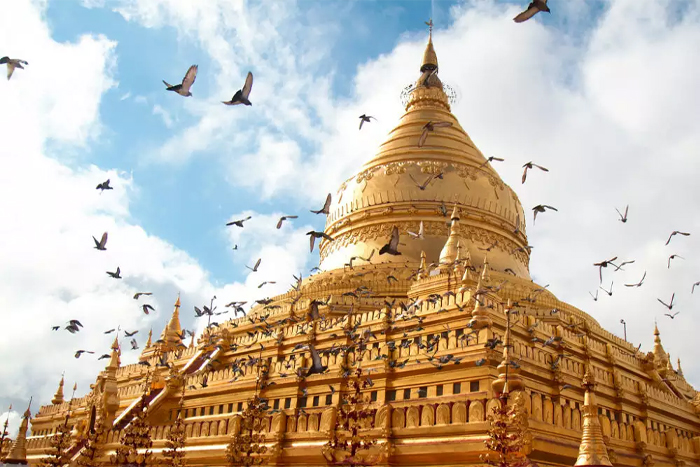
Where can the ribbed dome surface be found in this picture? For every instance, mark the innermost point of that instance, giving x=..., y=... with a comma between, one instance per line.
x=385, y=193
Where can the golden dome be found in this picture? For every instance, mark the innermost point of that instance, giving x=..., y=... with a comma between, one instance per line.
x=387, y=192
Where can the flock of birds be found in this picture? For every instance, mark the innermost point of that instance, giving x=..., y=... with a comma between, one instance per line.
x=359, y=340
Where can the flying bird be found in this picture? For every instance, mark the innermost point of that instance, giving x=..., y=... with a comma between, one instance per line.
x=137, y=295
x=595, y=297
x=541, y=208
x=426, y=182
x=668, y=305
x=134, y=344
x=326, y=206
x=617, y=268
x=419, y=235
x=365, y=118
x=428, y=127
x=491, y=159
x=694, y=285
x=101, y=245
x=115, y=274
x=671, y=315
x=284, y=218
x=110, y=331
x=129, y=334
x=239, y=222
x=604, y=264
x=104, y=186
x=241, y=96
x=530, y=165
x=638, y=284
x=609, y=292
x=676, y=232
x=187, y=82
x=257, y=264
x=80, y=352
x=623, y=219
x=391, y=248
x=532, y=9
x=317, y=366
x=12, y=63
x=266, y=282
x=315, y=235
x=147, y=308
x=673, y=257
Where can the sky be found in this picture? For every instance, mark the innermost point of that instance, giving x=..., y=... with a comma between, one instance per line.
x=603, y=93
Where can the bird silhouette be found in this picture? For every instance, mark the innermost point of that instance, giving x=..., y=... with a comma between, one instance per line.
x=12, y=63
x=365, y=118
x=241, y=96
x=102, y=244
x=541, y=208
x=530, y=165
x=184, y=88
x=676, y=232
x=284, y=218
x=532, y=9
x=115, y=274
x=670, y=304
x=314, y=235
x=104, y=186
x=623, y=218
x=326, y=206
x=428, y=127
x=238, y=223
x=391, y=248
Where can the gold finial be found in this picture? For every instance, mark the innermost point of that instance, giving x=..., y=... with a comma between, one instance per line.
x=680, y=370
x=150, y=336
x=177, y=303
x=423, y=266
x=449, y=251
x=455, y=214
x=592, y=451
x=430, y=61
x=509, y=379
x=58, y=397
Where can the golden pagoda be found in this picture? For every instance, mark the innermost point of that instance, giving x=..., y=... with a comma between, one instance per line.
x=425, y=412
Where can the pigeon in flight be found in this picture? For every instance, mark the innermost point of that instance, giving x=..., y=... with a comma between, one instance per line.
x=241, y=96
x=104, y=186
x=541, y=208
x=623, y=219
x=428, y=127
x=115, y=274
x=326, y=206
x=187, y=82
x=12, y=63
x=530, y=165
x=391, y=248
x=284, y=218
x=238, y=223
x=257, y=264
x=676, y=232
x=80, y=352
x=365, y=118
x=532, y=9
x=315, y=235
x=137, y=295
x=101, y=244
x=419, y=235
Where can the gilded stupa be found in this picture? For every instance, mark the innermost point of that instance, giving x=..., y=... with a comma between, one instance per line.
x=473, y=275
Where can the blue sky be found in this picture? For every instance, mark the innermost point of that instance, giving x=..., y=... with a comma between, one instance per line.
x=576, y=91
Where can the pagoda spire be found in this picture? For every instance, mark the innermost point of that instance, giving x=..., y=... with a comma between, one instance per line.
x=422, y=272
x=449, y=251
x=509, y=379
x=659, y=352
x=592, y=451
x=18, y=451
x=114, y=361
x=680, y=370
x=58, y=397
x=430, y=61
x=171, y=334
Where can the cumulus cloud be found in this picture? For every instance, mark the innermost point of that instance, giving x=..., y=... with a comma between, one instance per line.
x=604, y=100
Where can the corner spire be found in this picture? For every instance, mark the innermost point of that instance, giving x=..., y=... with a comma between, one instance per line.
x=509, y=379
x=172, y=332
x=18, y=451
x=680, y=370
x=114, y=361
x=592, y=451
x=58, y=397
x=659, y=352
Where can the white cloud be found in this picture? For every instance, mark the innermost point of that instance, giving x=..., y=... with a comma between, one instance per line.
x=125, y=96
x=610, y=108
x=164, y=114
